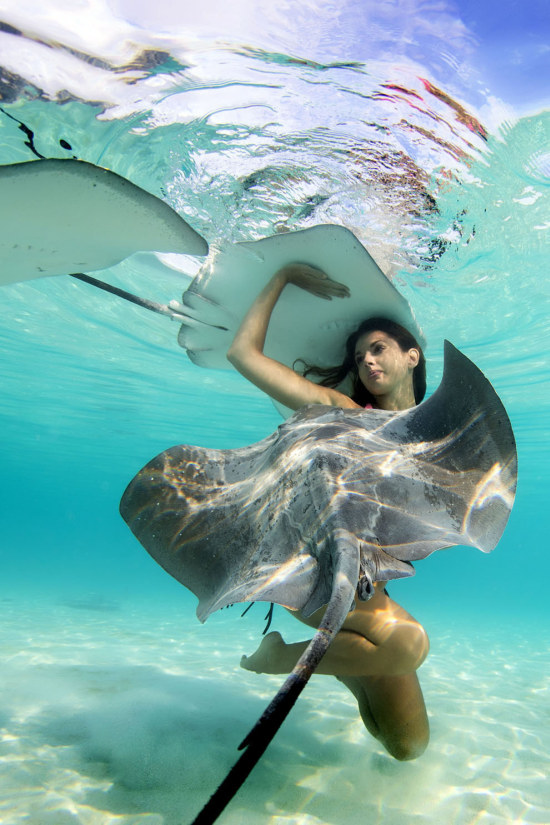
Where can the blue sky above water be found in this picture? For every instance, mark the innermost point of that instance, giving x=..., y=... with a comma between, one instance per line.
x=513, y=47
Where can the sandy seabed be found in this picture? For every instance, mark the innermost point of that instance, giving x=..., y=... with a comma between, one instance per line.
x=111, y=714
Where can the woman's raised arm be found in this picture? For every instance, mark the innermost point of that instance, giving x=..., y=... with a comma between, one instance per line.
x=247, y=355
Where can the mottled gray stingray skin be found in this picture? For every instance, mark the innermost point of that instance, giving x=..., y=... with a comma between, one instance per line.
x=330, y=503
x=64, y=216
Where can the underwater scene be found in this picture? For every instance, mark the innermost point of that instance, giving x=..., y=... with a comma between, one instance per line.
x=423, y=128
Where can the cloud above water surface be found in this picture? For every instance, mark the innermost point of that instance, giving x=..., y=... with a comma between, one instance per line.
x=311, y=29
x=296, y=29
x=454, y=43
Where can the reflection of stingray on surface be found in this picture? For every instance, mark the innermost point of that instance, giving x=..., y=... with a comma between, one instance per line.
x=332, y=502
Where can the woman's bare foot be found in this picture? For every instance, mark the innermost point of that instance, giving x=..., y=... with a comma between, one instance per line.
x=265, y=658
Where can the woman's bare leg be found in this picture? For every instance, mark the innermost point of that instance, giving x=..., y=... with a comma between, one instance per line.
x=350, y=654
x=393, y=711
x=379, y=669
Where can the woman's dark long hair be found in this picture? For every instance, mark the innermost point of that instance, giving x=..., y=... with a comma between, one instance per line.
x=333, y=376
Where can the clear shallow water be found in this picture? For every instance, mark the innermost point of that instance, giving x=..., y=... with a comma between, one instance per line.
x=395, y=124
x=104, y=724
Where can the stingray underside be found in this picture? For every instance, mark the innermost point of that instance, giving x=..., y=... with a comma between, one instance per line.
x=220, y=294
x=65, y=216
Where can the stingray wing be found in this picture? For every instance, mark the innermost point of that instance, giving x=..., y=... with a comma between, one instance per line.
x=63, y=216
x=220, y=523
x=443, y=473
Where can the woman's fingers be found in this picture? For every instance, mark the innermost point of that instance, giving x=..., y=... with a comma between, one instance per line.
x=315, y=281
x=338, y=289
x=330, y=289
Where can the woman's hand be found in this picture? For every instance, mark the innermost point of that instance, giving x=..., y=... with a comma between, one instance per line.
x=313, y=280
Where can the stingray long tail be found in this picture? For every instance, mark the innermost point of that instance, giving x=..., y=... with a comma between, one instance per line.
x=345, y=576
x=152, y=306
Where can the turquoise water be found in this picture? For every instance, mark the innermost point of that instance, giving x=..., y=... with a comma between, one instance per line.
x=117, y=705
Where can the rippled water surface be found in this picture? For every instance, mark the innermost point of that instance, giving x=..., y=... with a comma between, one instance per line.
x=422, y=127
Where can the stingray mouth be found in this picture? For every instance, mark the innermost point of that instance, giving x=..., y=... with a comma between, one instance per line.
x=365, y=588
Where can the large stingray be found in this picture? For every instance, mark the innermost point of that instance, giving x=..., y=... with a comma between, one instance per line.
x=63, y=216
x=332, y=502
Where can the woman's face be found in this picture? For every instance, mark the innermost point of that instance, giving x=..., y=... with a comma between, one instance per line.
x=384, y=369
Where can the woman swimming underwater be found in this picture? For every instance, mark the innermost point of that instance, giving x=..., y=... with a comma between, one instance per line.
x=380, y=646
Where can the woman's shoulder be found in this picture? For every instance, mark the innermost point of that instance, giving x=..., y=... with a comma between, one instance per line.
x=335, y=398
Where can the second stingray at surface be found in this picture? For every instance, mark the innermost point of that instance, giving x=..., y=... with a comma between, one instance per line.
x=332, y=502
x=64, y=216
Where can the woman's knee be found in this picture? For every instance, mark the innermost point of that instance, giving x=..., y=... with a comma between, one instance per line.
x=404, y=750
x=408, y=740
x=410, y=646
